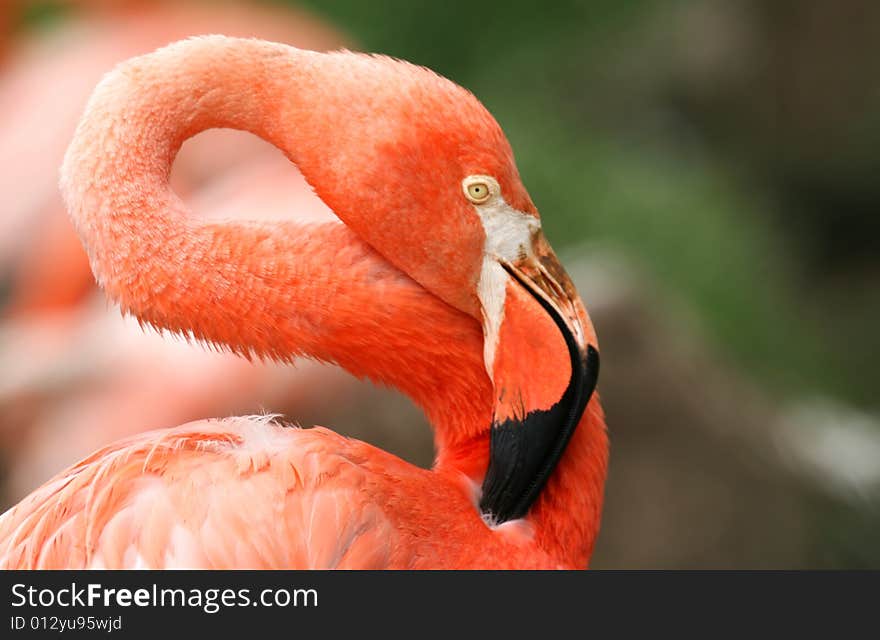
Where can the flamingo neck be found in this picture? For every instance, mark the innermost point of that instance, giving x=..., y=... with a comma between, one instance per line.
x=145, y=249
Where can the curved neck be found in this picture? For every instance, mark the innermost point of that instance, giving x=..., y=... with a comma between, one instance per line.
x=278, y=289
x=145, y=249
x=282, y=289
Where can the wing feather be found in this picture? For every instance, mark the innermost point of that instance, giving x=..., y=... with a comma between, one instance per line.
x=234, y=493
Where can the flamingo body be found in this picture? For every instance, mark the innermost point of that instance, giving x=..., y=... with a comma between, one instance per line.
x=248, y=492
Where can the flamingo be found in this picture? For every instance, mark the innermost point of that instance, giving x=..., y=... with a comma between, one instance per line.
x=439, y=282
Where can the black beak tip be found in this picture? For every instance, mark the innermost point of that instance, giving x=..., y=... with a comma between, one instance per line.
x=523, y=453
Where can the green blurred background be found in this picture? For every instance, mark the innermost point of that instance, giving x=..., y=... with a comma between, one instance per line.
x=709, y=169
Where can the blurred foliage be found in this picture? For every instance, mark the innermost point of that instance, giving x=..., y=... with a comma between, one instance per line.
x=43, y=14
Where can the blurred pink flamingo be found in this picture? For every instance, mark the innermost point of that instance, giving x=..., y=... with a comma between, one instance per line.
x=43, y=89
x=67, y=362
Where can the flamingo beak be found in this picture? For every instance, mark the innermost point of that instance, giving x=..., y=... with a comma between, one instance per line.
x=542, y=275
x=545, y=370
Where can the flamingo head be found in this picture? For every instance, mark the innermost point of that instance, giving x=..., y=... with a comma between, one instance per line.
x=420, y=169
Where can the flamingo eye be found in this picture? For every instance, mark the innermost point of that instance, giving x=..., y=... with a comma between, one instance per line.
x=477, y=191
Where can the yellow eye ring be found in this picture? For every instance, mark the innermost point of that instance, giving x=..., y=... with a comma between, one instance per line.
x=478, y=192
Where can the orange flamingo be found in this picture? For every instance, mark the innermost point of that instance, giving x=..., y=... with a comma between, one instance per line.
x=440, y=240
